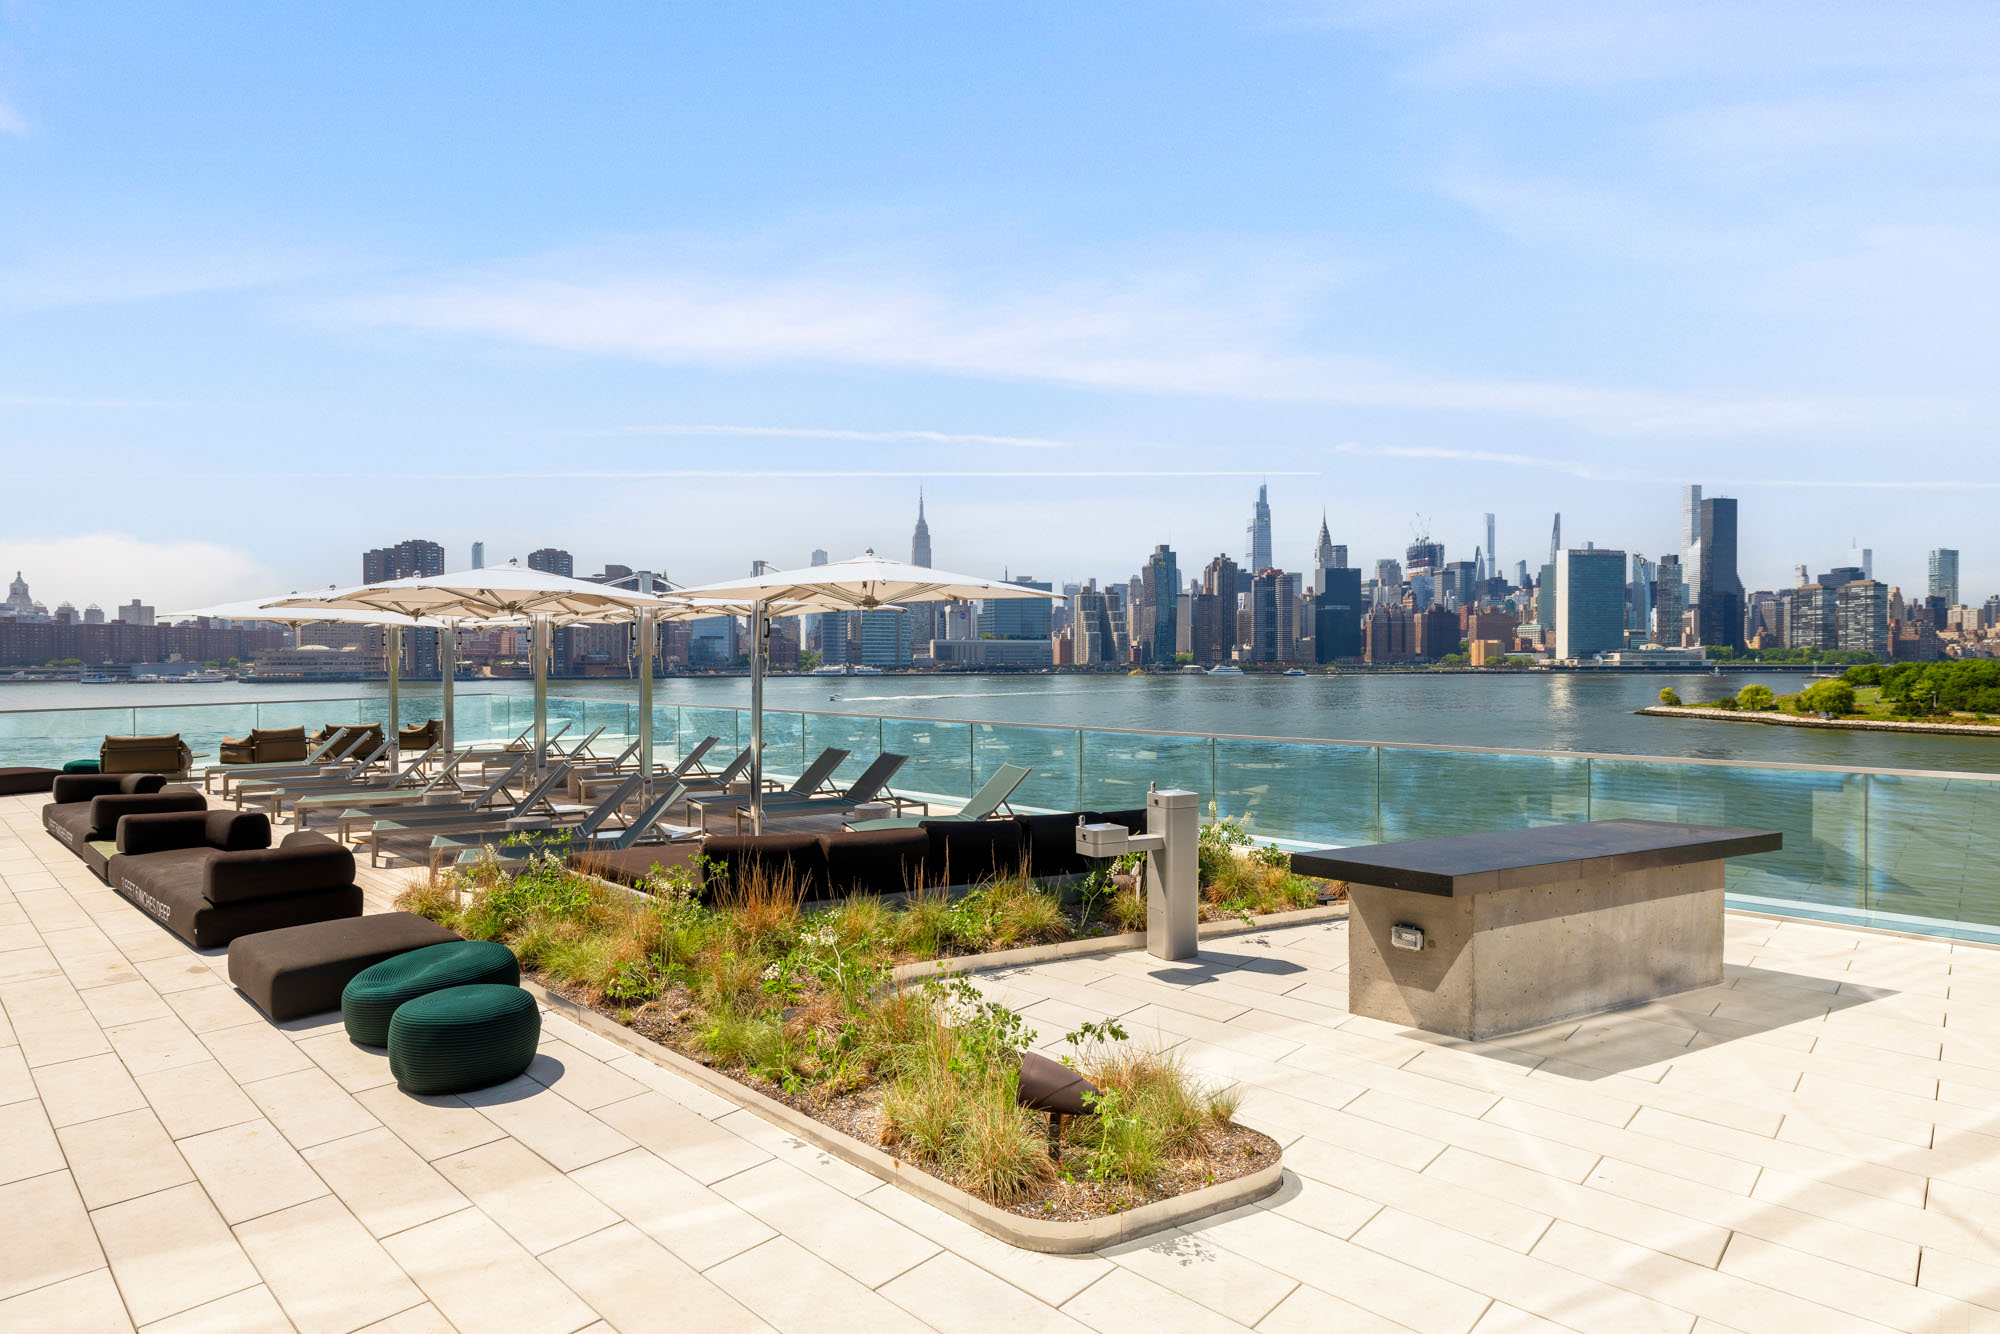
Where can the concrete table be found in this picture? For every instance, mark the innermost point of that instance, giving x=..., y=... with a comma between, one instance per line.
x=1492, y=933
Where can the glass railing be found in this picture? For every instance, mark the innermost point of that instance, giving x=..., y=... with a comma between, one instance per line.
x=1911, y=850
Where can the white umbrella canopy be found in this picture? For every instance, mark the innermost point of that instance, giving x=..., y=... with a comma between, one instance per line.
x=861, y=584
x=498, y=593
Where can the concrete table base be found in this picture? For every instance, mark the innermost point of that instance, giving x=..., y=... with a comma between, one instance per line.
x=1510, y=959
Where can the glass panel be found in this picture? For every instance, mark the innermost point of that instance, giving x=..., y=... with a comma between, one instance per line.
x=1820, y=815
x=1049, y=754
x=1321, y=795
x=1439, y=793
x=50, y=738
x=940, y=763
x=201, y=726
x=734, y=733
x=784, y=742
x=311, y=714
x=1933, y=844
x=857, y=733
x=477, y=718
x=619, y=721
x=1119, y=766
x=567, y=709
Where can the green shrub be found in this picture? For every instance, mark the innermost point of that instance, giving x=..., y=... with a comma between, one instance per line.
x=1756, y=698
x=1834, y=697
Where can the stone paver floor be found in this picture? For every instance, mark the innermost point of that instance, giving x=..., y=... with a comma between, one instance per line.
x=1812, y=1146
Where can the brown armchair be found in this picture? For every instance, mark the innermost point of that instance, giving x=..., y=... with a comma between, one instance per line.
x=266, y=745
x=421, y=737
x=144, y=755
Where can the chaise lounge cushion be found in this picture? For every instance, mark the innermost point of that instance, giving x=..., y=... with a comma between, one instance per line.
x=632, y=866
x=301, y=970
x=209, y=895
x=19, y=779
x=875, y=861
x=266, y=745
x=374, y=994
x=89, y=827
x=71, y=787
x=797, y=861
x=143, y=755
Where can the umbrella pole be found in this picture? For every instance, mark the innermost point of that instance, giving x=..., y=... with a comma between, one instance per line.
x=757, y=624
x=541, y=694
x=447, y=671
x=645, y=646
x=395, y=689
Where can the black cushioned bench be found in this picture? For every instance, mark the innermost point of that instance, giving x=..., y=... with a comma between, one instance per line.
x=300, y=970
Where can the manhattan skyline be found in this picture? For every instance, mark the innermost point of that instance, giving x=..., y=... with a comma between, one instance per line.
x=1085, y=277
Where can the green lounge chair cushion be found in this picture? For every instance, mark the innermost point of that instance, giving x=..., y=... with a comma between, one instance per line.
x=373, y=995
x=80, y=767
x=463, y=1038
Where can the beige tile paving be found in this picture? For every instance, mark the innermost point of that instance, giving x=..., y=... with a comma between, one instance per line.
x=1814, y=1144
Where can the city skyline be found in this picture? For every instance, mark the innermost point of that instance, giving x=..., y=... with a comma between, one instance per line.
x=1456, y=262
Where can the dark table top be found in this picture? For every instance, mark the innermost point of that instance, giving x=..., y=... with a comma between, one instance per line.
x=1545, y=854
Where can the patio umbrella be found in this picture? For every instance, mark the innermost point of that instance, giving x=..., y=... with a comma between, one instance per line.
x=298, y=618
x=499, y=593
x=861, y=584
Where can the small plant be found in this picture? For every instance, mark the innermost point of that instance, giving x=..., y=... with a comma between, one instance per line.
x=1670, y=697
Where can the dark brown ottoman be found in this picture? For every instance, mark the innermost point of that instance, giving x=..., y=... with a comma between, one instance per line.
x=966, y=852
x=15, y=781
x=792, y=861
x=875, y=861
x=300, y=970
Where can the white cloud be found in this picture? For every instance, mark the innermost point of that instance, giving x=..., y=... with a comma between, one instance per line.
x=11, y=121
x=1167, y=332
x=920, y=437
x=110, y=568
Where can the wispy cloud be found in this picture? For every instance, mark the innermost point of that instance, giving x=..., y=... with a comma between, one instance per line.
x=1587, y=472
x=834, y=433
x=1251, y=337
x=11, y=121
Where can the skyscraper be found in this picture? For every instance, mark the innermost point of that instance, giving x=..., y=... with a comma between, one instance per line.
x=1862, y=609
x=405, y=560
x=1718, y=598
x=1944, y=575
x=920, y=541
x=552, y=560
x=1639, y=596
x=1589, y=602
x=1159, y=623
x=1257, y=536
x=819, y=555
x=1324, y=557
x=478, y=555
x=1669, y=601
x=1691, y=550
x=1492, y=552
x=1337, y=615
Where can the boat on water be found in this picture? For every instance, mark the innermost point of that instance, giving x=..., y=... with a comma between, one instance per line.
x=1224, y=669
x=97, y=679
x=1296, y=671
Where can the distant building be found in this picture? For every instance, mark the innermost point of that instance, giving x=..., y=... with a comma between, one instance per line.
x=1257, y=535
x=1015, y=653
x=478, y=555
x=920, y=540
x=1589, y=603
x=1016, y=618
x=1639, y=596
x=405, y=560
x=1719, y=601
x=1944, y=575
x=1326, y=556
x=18, y=600
x=93, y=615
x=712, y=642
x=1159, y=617
x=1337, y=616
x=1389, y=634
x=136, y=612
x=1862, y=608
x=552, y=560
x=1436, y=633
x=1423, y=557
x=1266, y=592
x=885, y=637
x=1812, y=619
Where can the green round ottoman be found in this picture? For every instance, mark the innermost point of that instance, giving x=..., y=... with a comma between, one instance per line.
x=373, y=994
x=463, y=1038
x=80, y=767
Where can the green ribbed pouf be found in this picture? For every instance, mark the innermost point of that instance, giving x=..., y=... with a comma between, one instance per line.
x=80, y=767
x=463, y=1038
x=373, y=994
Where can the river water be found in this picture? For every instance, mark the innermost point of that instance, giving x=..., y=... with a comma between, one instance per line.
x=1525, y=711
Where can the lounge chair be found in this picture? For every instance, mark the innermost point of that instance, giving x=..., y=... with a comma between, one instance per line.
x=988, y=800
x=421, y=822
x=520, y=742
x=863, y=791
x=586, y=835
x=345, y=775
x=581, y=750
x=348, y=750
x=322, y=753
x=364, y=807
x=587, y=784
x=393, y=793
x=807, y=784
x=407, y=775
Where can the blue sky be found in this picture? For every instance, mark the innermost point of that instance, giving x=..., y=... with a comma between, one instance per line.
x=692, y=285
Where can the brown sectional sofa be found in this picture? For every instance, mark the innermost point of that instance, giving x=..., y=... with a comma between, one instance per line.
x=210, y=876
x=87, y=807
x=22, y=780
x=884, y=861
